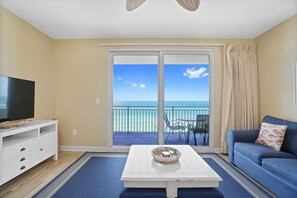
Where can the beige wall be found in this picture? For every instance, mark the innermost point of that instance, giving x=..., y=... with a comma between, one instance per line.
x=81, y=68
x=81, y=76
x=277, y=49
x=27, y=53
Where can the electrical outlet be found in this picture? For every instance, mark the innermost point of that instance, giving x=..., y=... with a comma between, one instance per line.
x=74, y=132
x=97, y=101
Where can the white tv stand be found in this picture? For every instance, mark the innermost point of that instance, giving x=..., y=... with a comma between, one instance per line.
x=23, y=147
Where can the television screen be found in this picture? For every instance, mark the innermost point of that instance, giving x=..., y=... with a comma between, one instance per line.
x=16, y=99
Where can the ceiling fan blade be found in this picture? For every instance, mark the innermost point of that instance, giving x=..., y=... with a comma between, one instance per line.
x=190, y=5
x=132, y=4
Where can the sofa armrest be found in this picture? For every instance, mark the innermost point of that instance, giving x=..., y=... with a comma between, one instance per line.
x=240, y=136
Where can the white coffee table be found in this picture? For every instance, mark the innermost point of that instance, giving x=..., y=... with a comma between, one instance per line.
x=191, y=171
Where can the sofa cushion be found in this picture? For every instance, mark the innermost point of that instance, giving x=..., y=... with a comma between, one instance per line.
x=256, y=152
x=289, y=144
x=284, y=168
x=271, y=135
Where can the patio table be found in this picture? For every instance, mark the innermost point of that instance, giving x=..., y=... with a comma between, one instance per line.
x=190, y=121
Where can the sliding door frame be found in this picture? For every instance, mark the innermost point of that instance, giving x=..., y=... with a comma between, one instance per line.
x=161, y=54
x=112, y=54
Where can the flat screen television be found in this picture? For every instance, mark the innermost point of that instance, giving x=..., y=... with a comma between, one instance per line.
x=16, y=99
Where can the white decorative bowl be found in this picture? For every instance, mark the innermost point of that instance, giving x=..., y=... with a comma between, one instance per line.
x=166, y=155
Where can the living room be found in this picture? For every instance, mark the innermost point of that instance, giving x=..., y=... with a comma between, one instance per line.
x=72, y=75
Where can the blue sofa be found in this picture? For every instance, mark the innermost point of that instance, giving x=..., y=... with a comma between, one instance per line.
x=275, y=170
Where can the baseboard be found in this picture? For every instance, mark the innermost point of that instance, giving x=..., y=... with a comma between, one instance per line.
x=119, y=149
x=217, y=150
x=84, y=148
x=201, y=149
x=126, y=149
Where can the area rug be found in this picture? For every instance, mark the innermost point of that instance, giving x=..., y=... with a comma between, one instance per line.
x=98, y=175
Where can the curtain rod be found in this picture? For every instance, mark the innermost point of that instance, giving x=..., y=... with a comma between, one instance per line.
x=160, y=44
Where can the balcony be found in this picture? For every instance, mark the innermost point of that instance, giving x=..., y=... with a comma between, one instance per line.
x=139, y=124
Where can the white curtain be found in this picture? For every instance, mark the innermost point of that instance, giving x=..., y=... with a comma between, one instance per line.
x=240, y=102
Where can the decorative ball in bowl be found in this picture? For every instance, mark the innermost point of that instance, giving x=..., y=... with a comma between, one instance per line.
x=166, y=155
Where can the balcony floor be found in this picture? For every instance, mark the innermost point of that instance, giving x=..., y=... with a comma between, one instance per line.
x=125, y=138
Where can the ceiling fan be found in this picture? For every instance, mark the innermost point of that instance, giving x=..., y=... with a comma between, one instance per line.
x=190, y=5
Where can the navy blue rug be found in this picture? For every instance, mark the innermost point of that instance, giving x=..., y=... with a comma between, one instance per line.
x=100, y=177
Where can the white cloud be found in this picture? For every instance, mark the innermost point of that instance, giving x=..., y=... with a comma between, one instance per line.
x=205, y=74
x=119, y=78
x=191, y=73
x=135, y=84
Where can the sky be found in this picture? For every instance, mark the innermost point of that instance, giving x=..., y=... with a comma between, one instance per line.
x=182, y=82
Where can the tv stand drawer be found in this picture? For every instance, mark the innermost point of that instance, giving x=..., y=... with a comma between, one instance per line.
x=18, y=149
x=19, y=164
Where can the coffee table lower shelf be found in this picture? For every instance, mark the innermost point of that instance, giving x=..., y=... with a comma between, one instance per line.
x=171, y=187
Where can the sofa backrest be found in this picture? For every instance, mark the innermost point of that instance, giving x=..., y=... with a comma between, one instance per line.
x=290, y=141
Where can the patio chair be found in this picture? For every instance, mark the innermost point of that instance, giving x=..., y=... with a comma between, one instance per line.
x=175, y=126
x=201, y=127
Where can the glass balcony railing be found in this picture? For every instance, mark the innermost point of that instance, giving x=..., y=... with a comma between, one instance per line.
x=145, y=118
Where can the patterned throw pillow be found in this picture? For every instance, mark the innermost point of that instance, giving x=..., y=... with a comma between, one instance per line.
x=272, y=135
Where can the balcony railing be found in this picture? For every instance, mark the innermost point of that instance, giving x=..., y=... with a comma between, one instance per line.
x=145, y=118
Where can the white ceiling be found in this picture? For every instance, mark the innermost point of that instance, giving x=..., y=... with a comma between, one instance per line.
x=71, y=19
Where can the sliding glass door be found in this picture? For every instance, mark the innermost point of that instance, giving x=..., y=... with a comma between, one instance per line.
x=135, y=99
x=160, y=97
x=186, y=97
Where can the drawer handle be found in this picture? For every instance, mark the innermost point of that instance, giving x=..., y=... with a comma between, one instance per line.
x=23, y=159
x=23, y=149
x=23, y=167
